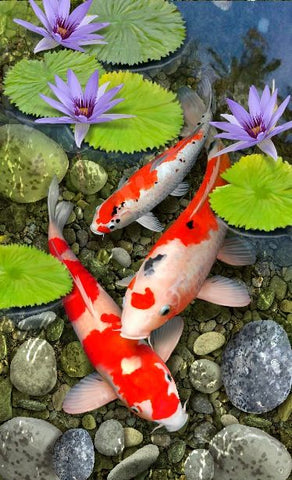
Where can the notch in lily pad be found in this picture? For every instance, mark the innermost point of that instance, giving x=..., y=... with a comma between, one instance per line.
x=30, y=277
x=258, y=195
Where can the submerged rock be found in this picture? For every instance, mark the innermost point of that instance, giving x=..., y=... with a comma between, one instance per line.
x=242, y=453
x=87, y=177
x=5, y=399
x=109, y=438
x=199, y=465
x=28, y=161
x=33, y=368
x=205, y=376
x=257, y=367
x=137, y=463
x=26, y=449
x=74, y=455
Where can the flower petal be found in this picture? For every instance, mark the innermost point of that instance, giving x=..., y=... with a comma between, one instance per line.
x=57, y=105
x=269, y=109
x=86, y=29
x=101, y=90
x=280, y=129
x=81, y=130
x=64, y=8
x=234, y=147
x=51, y=10
x=239, y=112
x=91, y=87
x=63, y=96
x=40, y=14
x=278, y=113
x=31, y=26
x=254, y=102
x=230, y=118
x=87, y=19
x=55, y=120
x=76, y=17
x=74, y=85
x=242, y=136
x=45, y=44
x=265, y=98
x=269, y=148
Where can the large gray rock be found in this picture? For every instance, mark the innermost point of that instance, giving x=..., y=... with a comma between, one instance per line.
x=110, y=438
x=247, y=453
x=26, y=449
x=199, y=465
x=257, y=367
x=33, y=368
x=137, y=463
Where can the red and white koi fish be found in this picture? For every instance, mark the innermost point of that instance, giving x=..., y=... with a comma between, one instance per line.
x=134, y=200
x=129, y=370
x=175, y=271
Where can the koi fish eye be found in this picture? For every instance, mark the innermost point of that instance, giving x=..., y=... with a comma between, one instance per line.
x=165, y=310
x=168, y=377
x=135, y=409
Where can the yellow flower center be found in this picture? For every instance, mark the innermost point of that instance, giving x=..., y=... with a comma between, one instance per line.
x=83, y=111
x=61, y=30
x=256, y=130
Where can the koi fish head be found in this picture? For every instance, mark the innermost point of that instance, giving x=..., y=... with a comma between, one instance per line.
x=109, y=217
x=160, y=402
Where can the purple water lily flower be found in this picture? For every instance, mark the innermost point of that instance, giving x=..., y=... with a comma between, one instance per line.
x=256, y=127
x=82, y=108
x=61, y=28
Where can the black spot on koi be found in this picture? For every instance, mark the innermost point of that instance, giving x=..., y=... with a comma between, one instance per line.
x=149, y=264
x=190, y=224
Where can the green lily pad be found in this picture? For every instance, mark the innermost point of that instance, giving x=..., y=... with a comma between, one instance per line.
x=28, y=78
x=258, y=195
x=30, y=277
x=139, y=30
x=158, y=116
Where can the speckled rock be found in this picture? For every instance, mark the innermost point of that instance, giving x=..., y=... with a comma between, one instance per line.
x=132, y=437
x=87, y=177
x=74, y=360
x=245, y=453
x=109, y=438
x=33, y=368
x=121, y=256
x=37, y=322
x=176, y=451
x=199, y=465
x=74, y=455
x=203, y=433
x=208, y=342
x=257, y=367
x=88, y=422
x=228, y=419
x=201, y=404
x=26, y=449
x=28, y=161
x=5, y=399
x=205, y=376
x=136, y=463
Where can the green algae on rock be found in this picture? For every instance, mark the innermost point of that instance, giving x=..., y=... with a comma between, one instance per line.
x=87, y=177
x=5, y=399
x=28, y=161
x=74, y=361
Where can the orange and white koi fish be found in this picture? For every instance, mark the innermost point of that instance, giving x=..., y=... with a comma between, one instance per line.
x=175, y=271
x=129, y=370
x=134, y=199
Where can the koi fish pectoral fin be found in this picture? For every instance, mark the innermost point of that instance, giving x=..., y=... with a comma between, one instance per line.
x=90, y=393
x=180, y=190
x=164, y=339
x=151, y=222
x=124, y=282
x=237, y=251
x=224, y=291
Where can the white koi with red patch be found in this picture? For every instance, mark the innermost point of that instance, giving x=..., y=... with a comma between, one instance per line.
x=163, y=176
x=175, y=270
x=129, y=370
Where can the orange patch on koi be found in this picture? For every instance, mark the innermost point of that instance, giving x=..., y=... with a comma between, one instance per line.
x=143, y=300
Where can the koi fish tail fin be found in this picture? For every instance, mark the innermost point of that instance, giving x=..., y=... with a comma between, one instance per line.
x=195, y=106
x=58, y=212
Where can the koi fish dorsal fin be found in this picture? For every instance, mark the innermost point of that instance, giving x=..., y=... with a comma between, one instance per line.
x=85, y=297
x=237, y=251
x=164, y=339
x=224, y=291
x=60, y=213
x=90, y=393
x=208, y=188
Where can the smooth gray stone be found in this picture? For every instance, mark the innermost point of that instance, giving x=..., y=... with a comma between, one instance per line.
x=74, y=455
x=137, y=463
x=110, y=438
x=257, y=367
x=26, y=446
x=248, y=453
x=199, y=465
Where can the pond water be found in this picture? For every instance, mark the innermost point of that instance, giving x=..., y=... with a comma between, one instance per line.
x=244, y=44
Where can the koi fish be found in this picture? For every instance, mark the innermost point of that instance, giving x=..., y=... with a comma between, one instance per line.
x=134, y=199
x=175, y=270
x=129, y=370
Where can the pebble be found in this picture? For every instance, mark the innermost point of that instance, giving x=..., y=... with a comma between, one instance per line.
x=205, y=376
x=58, y=397
x=265, y=299
x=87, y=177
x=242, y=453
x=33, y=369
x=74, y=360
x=3, y=346
x=132, y=437
x=203, y=433
x=5, y=399
x=208, y=342
x=27, y=167
x=201, y=404
x=161, y=440
x=37, y=322
x=73, y=455
x=82, y=237
x=109, y=439
x=199, y=465
x=121, y=256
x=286, y=306
x=88, y=422
x=257, y=367
x=228, y=419
x=176, y=451
x=55, y=330
x=279, y=287
x=26, y=449
x=136, y=463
